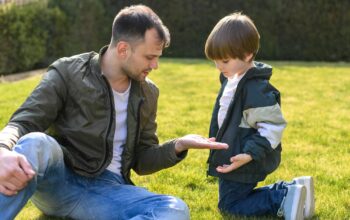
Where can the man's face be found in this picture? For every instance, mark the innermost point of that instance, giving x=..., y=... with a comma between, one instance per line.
x=144, y=56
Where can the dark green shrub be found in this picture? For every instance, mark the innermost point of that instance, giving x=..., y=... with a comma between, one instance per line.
x=36, y=34
x=86, y=29
x=22, y=43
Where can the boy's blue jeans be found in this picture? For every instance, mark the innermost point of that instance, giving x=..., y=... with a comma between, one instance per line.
x=58, y=191
x=245, y=200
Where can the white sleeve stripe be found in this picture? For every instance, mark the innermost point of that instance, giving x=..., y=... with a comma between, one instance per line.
x=269, y=114
x=273, y=133
x=267, y=120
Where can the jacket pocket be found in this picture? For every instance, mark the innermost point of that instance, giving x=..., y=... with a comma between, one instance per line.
x=221, y=157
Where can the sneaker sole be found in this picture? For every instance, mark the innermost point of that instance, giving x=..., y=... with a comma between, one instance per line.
x=299, y=214
x=308, y=182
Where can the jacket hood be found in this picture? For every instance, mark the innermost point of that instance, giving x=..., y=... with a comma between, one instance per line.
x=260, y=70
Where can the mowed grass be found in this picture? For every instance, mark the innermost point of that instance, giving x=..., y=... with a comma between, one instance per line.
x=315, y=102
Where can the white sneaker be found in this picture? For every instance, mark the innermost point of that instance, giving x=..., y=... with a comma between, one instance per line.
x=293, y=203
x=308, y=182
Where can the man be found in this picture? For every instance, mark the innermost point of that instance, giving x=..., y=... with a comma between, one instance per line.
x=101, y=111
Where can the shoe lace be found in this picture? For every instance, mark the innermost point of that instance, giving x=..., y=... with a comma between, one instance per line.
x=280, y=212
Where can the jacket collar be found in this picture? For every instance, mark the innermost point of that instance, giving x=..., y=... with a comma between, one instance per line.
x=135, y=96
x=95, y=62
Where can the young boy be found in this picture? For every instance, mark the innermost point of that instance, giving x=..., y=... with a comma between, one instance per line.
x=247, y=116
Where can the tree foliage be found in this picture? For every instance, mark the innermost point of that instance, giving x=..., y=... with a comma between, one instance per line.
x=34, y=35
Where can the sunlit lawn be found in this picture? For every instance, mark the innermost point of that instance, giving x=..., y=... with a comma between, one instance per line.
x=315, y=102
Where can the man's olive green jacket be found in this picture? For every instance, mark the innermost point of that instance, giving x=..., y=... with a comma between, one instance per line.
x=74, y=103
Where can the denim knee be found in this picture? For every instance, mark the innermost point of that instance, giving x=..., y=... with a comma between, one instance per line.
x=40, y=149
x=38, y=140
x=224, y=207
x=175, y=210
x=181, y=206
x=40, y=137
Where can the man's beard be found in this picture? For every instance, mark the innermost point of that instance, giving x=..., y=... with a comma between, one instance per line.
x=138, y=77
x=132, y=75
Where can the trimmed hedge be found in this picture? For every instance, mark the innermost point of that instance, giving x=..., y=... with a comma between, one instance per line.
x=34, y=35
x=22, y=44
x=290, y=29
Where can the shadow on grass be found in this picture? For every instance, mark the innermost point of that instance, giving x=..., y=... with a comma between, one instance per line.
x=224, y=217
x=228, y=217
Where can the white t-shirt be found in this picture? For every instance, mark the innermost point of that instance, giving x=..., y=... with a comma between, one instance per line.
x=227, y=96
x=121, y=107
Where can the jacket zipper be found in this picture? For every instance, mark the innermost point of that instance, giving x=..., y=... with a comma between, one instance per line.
x=137, y=137
x=224, y=124
x=138, y=120
x=110, y=122
x=211, y=152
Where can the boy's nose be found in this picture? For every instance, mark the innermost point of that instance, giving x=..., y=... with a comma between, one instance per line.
x=217, y=66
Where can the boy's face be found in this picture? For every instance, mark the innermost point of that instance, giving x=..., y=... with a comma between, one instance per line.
x=232, y=67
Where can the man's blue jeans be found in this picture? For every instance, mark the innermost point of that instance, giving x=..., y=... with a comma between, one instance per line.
x=244, y=199
x=58, y=191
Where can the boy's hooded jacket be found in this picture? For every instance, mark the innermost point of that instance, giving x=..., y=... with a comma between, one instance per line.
x=255, y=101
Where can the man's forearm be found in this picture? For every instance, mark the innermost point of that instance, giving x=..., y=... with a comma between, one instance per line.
x=3, y=146
x=9, y=137
x=179, y=147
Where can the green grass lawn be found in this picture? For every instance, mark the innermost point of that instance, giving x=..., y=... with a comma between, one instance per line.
x=315, y=102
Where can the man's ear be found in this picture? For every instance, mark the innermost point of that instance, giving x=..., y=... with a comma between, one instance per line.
x=122, y=49
x=248, y=57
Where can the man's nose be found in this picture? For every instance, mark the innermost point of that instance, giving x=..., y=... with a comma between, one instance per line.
x=154, y=64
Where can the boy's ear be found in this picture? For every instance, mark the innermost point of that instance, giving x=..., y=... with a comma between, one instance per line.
x=248, y=57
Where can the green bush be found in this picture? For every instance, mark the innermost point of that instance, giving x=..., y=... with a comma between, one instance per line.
x=87, y=28
x=290, y=29
x=56, y=26
x=34, y=35
x=22, y=44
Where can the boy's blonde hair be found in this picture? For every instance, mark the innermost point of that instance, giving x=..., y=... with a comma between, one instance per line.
x=234, y=36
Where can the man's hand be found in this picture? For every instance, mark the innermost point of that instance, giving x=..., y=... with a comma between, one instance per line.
x=237, y=161
x=197, y=142
x=15, y=172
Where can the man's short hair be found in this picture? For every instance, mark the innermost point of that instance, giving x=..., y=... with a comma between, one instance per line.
x=234, y=36
x=132, y=22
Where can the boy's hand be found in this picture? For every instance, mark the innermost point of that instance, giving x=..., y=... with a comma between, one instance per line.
x=195, y=141
x=237, y=161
